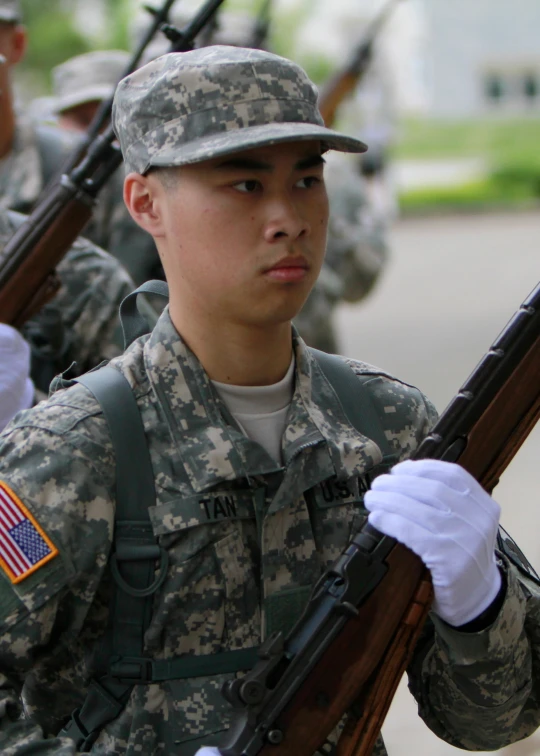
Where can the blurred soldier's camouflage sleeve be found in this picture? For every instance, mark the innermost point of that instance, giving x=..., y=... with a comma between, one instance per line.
x=357, y=248
x=80, y=324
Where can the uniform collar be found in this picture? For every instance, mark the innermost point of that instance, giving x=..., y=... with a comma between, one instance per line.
x=213, y=450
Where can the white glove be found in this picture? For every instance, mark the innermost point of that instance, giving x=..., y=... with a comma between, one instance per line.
x=16, y=387
x=208, y=751
x=442, y=514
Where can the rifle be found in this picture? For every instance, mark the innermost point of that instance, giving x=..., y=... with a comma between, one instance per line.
x=345, y=81
x=262, y=25
x=27, y=278
x=350, y=647
x=159, y=19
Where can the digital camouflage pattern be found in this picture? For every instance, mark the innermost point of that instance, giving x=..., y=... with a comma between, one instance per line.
x=244, y=536
x=89, y=77
x=356, y=254
x=10, y=11
x=36, y=155
x=188, y=107
x=80, y=324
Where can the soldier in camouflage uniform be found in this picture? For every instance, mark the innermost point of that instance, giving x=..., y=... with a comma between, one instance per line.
x=80, y=85
x=30, y=155
x=259, y=475
x=356, y=254
x=78, y=327
x=357, y=249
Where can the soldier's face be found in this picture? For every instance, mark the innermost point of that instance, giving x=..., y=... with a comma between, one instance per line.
x=79, y=117
x=12, y=49
x=243, y=237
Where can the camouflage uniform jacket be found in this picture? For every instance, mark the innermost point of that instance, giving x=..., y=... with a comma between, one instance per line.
x=36, y=156
x=241, y=533
x=80, y=324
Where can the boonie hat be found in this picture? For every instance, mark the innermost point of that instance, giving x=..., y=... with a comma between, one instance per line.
x=188, y=107
x=87, y=78
x=10, y=11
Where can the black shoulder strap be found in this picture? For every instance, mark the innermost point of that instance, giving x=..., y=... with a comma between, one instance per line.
x=357, y=401
x=134, y=324
x=132, y=562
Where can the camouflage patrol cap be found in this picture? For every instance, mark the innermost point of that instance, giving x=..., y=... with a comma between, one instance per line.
x=88, y=77
x=188, y=107
x=10, y=11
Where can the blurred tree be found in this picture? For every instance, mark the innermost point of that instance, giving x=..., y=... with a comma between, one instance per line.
x=57, y=31
x=53, y=35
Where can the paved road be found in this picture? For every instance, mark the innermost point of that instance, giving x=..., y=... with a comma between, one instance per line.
x=451, y=287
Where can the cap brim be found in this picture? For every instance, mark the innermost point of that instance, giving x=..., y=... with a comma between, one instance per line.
x=8, y=17
x=238, y=140
x=90, y=94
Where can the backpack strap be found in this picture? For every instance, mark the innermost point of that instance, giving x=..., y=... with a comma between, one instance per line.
x=120, y=663
x=362, y=409
x=134, y=322
x=132, y=562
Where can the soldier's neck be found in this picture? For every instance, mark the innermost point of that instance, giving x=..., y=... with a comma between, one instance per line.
x=238, y=356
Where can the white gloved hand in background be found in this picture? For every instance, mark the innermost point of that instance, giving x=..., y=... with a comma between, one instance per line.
x=442, y=514
x=208, y=751
x=16, y=387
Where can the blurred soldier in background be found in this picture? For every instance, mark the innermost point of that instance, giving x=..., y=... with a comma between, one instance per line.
x=79, y=325
x=30, y=154
x=80, y=85
x=356, y=253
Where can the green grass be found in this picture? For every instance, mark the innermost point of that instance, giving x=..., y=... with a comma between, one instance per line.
x=494, y=139
x=477, y=195
x=511, y=149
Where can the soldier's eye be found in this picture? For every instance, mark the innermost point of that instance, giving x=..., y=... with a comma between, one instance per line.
x=248, y=187
x=307, y=182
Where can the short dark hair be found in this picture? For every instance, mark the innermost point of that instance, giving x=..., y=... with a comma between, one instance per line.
x=166, y=175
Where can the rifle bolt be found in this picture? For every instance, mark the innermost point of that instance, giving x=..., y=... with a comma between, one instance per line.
x=252, y=692
x=345, y=607
x=275, y=737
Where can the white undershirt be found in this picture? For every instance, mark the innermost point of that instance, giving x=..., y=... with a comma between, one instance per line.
x=261, y=411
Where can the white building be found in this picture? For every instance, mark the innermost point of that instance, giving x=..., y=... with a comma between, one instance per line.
x=482, y=56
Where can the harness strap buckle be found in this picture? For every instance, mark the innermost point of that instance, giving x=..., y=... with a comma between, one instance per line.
x=132, y=669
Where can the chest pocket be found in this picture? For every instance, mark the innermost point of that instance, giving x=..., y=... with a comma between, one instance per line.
x=208, y=606
x=337, y=509
x=209, y=600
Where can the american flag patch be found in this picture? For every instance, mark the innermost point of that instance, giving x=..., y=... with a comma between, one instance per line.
x=24, y=546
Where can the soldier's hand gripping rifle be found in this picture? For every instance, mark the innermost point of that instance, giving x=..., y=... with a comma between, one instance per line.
x=28, y=261
x=358, y=631
x=345, y=81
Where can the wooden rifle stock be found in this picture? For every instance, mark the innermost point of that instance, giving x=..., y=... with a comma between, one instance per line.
x=340, y=86
x=360, y=667
x=335, y=92
x=29, y=259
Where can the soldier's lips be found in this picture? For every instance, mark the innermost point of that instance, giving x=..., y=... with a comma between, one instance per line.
x=289, y=269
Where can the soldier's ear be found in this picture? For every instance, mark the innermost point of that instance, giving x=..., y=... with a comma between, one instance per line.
x=141, y=195
x=19, y=39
